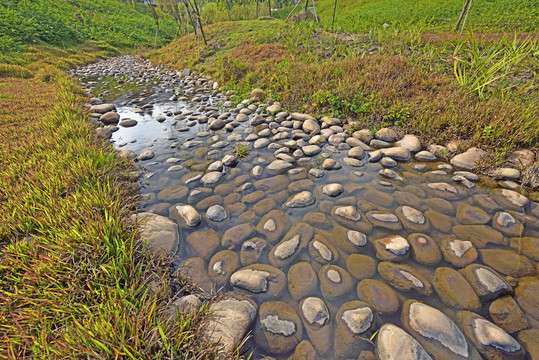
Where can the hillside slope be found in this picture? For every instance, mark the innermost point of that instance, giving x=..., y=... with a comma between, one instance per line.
x=427, y=15
x=68, y=23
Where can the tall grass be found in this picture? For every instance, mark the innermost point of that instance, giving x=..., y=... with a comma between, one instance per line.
x=74, y=280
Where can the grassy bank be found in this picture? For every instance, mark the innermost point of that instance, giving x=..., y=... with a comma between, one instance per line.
x=481, y=92
x=74, y=280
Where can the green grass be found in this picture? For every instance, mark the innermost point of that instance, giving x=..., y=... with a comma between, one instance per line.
x=482, y=90
x=426, y=15
x=66, y=23
x=241, y=150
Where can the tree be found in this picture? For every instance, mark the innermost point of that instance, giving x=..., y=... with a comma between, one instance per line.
x=153, y=8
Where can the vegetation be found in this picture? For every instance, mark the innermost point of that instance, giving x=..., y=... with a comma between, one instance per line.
x=241, y=150
x=67, y=23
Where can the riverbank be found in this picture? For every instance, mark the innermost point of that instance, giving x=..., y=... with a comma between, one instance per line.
x=74, y=280
x=458, y=92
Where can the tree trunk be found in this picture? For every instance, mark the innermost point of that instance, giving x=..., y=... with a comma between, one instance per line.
x=269, y=7
x=306, y=5
x=256, y=14
x=334, y=10
x=462, y=14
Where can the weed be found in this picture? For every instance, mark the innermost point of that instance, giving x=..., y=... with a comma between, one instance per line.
x=319, y=160
x=241, y=150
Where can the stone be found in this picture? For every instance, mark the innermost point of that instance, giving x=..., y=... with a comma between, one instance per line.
x=507, y=224
x=435, y=331
x=404, y=278
x=190, y=216
x=128, y=123
x=273, y=225
x=331, y=164
x=361, y=266
x=468, y=159
x=279, y=167
x=252, y=250
x=257, y=95
x=204, y=242
x=412, y=218
x=356, y=153
x=394, y=343
x=110, y=118
x=425, y=156
x=261, y=143
x=384, y=220
x=334, y=281
x=521, y=159
x=302, y=280
x=454, y=290
x=526, y=295
x=458, y=252
x=318, y=219
x=126, y=154
x=489, y=339
x=364, y=135
x=216, y=213
x=527, y=246
x=485, y=281
x=471, y=215
x=479, y=235
x=529, y=339
x=301, y=117
x=315, y=311
x=397, y=153
x=102, y=108
x=509, y=199
x=296, y=239
x=311, y=127
x=217, y=124
x=222, y=265
x=388, y=162
x=410, y=142
x=146, y=155
x=378, y=295
x=160, y=233
x=506, y=313
x=185, y=304
x=392, y=248
x=505, y=174
x=302, y=199
x=507, y=262
x=236, y=235
x=279, y=328
x=354, y=319
x=375, y=156
x=386, y=134
x=229, y=322
x=424, y=250
x=194, y=269
x=333, y=190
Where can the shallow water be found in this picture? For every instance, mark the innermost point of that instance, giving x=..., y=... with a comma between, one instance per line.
x=440, y=219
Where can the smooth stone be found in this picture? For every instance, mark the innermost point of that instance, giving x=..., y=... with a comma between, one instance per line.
x=397, y=153
x=485, y=281
x=252, y=250
x=311, y=127
x=229, y=322
x=331, y=164
x=236, y=235
x=356, y=153
x=507, y=262
x=471, y=215
x=528, y=338
x=392, y=248
x=390, y=174
x=386, y=134
x=279, y=166
x=334, y=281
x=126, y=154
x=185, y=304
x=315, y=311
x=302, y=280
x=361, y=266
x=468, y=159
x=102, y=108
x=506, y=313
x=204, y=242
x=454, y=290
x=302, y=199
x=311, y=150
x=189, y=214
x=492, y=341
x=318, y=219
x=507, y=224
x=222, y=265
x=404, y=278
x=354, y=322
x=211, y=177
x=526, y=294
x=410, y=142
x=479, y=235
x=279, y=328
x=261, y=143
x=435, y=331
x=352, y=162
x=317, y=173
x=459, y=253
x=160, y=233
x=375, y=156
x=333, y=190
x=424, y=249
x=146, y=155
x=348, y=212
x=378, y=295
x=388, y=162
x=128, y=123
x=425, y=156
x=216, y=213
x=294, y=241
x=273, y=225
x=393, y=343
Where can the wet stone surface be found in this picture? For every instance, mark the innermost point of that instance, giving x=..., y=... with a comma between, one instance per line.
x=322, y=238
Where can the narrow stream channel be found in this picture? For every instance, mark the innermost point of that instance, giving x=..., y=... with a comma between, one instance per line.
x=330, y=250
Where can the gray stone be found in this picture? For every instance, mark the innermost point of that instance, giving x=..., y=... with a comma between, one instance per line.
x=333, y=190
x=128, y=123
x=311, y=150
x=425, y=156
x=386, y=134
x=302, y=199
x=393, y=343
x=468, y=159
x=146, y=155
x=189, y=214
x=211, y=178
x=160, y=233
x=216, y=213
x=410, y=142
x=315, y=311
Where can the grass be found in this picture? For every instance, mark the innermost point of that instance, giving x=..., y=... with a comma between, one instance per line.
x=74, y=280
x=67, y=23
x=241, y=150
x=427, y=15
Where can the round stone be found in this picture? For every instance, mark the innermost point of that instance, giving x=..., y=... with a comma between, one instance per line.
x=333, y=190
x=378, y=295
